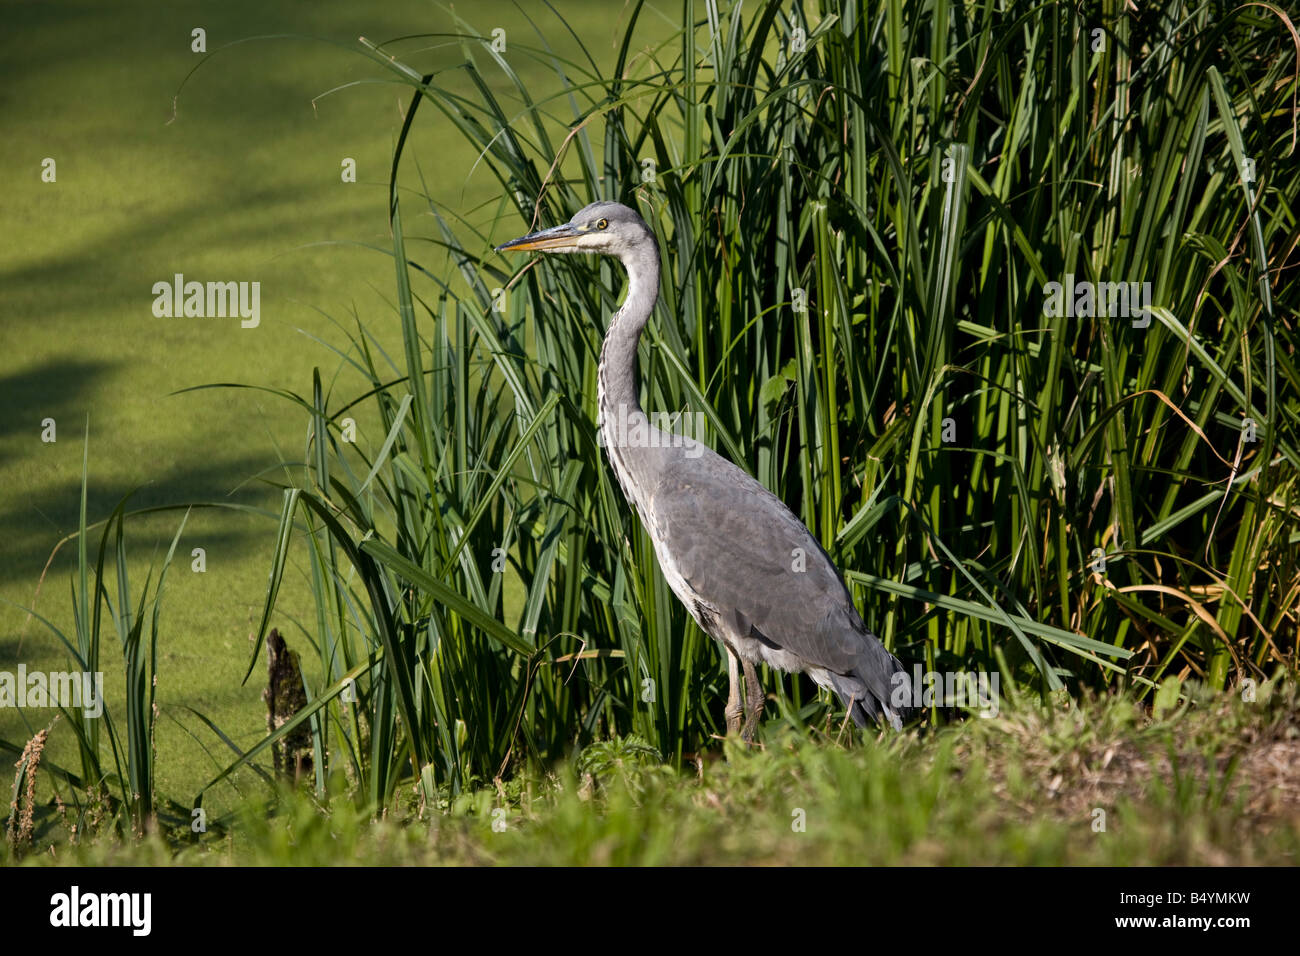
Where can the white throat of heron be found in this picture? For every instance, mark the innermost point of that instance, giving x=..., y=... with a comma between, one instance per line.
x=617, y=380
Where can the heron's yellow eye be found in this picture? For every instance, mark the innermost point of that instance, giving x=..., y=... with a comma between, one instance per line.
x=603, y=224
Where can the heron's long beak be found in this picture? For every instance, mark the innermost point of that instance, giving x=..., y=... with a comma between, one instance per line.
x=557, y=237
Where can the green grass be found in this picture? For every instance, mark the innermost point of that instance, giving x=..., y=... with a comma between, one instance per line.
x=1212, y=784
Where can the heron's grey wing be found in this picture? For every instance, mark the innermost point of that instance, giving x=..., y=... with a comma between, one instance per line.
x=764, y=574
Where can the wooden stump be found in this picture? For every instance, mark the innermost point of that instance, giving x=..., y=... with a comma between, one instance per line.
x=285, y=696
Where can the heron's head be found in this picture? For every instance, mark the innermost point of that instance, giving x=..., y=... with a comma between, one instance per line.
x=606, y=227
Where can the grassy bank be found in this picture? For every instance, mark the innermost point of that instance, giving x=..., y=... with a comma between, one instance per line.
x=1092, y=783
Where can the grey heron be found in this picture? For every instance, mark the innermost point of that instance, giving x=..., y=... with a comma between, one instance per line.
x=747, y=570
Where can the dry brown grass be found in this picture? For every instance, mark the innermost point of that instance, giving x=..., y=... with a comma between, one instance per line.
x=21, y=824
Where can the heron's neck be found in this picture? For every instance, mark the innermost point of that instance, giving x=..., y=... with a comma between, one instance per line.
x=617, y=378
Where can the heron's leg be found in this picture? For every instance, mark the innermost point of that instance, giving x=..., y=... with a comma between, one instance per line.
x=754, y=701
x=735, y=707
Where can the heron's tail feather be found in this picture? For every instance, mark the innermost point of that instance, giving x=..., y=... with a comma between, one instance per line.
x=877, y=688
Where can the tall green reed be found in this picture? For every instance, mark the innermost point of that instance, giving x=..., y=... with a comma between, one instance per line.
x=120, y=783
x=860, y=213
